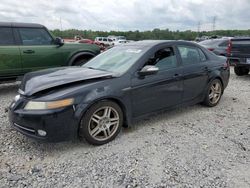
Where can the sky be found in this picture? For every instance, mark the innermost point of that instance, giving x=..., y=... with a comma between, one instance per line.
x=125, y=15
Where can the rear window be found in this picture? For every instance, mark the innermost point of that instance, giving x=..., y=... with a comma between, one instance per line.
x=241, y=42
x=189, y=55
x=211, y=42
x=6, y=36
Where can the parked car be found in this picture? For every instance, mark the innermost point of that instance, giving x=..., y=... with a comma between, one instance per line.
x=239, y=55
x=117, y=40
x=218, y=46
x=89, y=41
x=104, y=41
x=26, y=47
x=115, y=88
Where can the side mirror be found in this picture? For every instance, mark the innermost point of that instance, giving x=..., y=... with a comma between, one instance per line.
x=148, y=70
x=59, y=41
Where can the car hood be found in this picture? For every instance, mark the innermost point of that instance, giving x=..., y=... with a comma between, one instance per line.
x=35, y=82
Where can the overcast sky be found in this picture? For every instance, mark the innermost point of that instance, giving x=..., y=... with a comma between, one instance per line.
x=129, y=14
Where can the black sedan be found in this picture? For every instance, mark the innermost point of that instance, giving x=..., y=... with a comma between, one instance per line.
x=115, y=88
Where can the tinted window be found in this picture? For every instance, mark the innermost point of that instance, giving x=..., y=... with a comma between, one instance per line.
x=212, y=42
x=104, y=39
x=224, y=44
x=34, y=36
x=164, y=59
x=202, y=55
x=189, y=55
x=6, y=36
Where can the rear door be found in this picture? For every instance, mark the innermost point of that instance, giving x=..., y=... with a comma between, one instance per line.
x=195, y=72
x=38, y=50
x=10, y=60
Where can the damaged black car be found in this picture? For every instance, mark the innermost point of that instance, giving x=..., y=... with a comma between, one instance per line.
x=116, y=88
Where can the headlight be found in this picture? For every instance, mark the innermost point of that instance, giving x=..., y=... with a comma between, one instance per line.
x=17, y=97
x=37, y=105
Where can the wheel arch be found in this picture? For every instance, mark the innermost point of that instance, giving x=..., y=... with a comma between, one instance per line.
x=78, y=55
x=115, y=100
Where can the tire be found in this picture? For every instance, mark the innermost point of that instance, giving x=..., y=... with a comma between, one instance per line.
x=81, y=61
x=96, y=126
x=213, y=93
x=102, y=46
x=241, y=71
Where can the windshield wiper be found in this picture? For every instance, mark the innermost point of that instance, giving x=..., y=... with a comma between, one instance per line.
x=98, y=69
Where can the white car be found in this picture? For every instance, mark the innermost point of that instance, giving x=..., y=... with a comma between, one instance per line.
x=104, y=41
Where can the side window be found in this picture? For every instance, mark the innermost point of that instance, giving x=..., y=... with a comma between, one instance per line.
x=104, y=39
x=35, y=36
x=6, y=36
x=189, y=55
x=224, y=44
x=202, y=55
x=164, y=59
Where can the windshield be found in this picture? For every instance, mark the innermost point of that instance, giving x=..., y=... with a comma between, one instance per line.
x=117, y=59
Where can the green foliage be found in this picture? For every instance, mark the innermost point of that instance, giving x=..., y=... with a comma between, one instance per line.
x=154, y=34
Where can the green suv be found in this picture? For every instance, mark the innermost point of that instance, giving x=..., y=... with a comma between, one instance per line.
x=26, y=47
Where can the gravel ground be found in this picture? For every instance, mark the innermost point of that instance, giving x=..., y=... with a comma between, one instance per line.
x=190, y=147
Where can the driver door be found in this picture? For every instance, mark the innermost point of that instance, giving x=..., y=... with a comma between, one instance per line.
x=161, y=90
x=38, y=50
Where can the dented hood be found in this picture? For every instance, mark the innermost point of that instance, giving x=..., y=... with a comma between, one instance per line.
x=41, y=80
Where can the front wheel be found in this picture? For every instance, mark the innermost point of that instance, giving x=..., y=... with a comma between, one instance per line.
x=101, y=123
x=214, y=93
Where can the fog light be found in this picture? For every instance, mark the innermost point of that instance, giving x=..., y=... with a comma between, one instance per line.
x=42, y=132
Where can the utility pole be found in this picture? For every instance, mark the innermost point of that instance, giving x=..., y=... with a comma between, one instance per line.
x=199, y=27
x=61, y=23
x=214, y=23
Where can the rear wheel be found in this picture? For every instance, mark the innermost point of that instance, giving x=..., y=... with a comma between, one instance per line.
x=240, y=71
x=101, y=123
x=214, y=93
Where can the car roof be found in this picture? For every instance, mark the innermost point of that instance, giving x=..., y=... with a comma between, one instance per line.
x=151, y=43
x=17, y=24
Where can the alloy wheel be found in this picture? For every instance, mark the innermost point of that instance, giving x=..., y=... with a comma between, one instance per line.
x=215, y=92
x=104, y=123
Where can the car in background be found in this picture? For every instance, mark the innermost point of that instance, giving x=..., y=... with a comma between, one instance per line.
x=104, y=41
x=26, y=47
x=117, y=40
x=89, y=41
x=217, y=46
x=115, y=88
x=239, y=55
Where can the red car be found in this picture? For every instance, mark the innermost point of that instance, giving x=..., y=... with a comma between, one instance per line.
x=89, y=41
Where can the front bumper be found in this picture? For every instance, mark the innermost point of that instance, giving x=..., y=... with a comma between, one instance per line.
x=59, y=125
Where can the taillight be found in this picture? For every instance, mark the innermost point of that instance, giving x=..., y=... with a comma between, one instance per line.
x=211, y=49
x=226, y=64
x=229, y=48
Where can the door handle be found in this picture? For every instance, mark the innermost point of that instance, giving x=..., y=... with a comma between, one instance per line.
x=28, y=51
x=176, y=76
x=205, y=68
